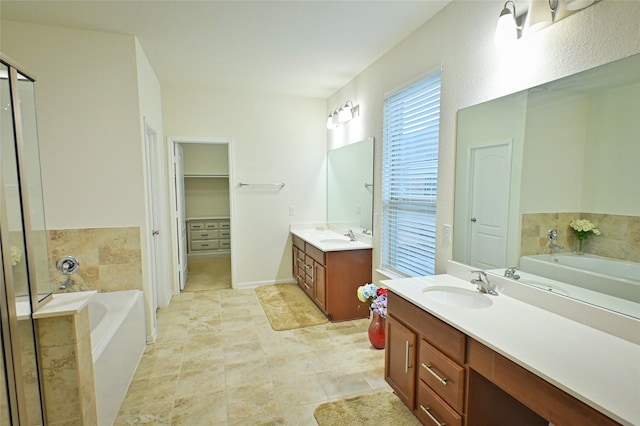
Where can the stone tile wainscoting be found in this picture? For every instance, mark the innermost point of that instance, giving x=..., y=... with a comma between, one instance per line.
x=110, y=258
x=67, y=369
x=620, y=238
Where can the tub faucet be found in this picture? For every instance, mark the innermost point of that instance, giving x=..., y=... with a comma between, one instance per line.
x=483, y=286
x=511, y=273
x=553, y=236
x=351, y=235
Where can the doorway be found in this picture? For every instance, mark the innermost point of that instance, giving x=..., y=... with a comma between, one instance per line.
x=202, y=201
x=490, y=178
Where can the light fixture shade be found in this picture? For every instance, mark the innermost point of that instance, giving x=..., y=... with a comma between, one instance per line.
x=539, y=15
x=578, y=4
x=345, y=114
x=507, y=30
x=330, y=122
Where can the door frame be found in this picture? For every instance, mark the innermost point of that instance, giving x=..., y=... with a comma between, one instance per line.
x=172, y=141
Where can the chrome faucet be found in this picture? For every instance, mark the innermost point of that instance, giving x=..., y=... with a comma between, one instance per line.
x=351, y=235
x=511, y=273
x=553, y=236
x=483, y=286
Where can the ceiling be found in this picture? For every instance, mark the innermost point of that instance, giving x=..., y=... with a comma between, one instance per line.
x=299, y=48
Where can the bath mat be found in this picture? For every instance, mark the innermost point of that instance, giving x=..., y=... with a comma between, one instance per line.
x=288, y=307
x=375, y=409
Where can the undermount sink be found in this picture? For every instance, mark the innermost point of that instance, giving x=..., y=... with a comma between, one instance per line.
x=334, y=241
x=457, y=297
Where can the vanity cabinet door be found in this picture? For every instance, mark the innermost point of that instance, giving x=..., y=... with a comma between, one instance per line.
x=400, y=357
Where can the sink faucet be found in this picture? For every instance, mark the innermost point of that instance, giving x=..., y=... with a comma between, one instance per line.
x=351, y=235
x=483, y=286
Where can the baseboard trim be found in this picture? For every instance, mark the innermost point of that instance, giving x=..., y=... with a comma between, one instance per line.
x=254, y=284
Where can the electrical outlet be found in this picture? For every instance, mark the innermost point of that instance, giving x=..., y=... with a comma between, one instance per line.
x=292, y=210
x=446, y=233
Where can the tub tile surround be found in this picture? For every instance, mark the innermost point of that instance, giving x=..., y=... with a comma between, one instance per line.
x=620, y=238
x=66, y=363
x=110, y=258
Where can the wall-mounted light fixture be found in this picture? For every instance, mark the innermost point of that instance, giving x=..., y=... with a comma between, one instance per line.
x=342, y=114
x=539, y=14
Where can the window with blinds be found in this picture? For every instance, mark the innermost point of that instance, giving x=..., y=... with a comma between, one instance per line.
x=410, y=178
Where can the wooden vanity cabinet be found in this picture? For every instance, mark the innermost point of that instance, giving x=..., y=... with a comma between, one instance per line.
x=331, y=279
x=434, y=386
x=458, y=381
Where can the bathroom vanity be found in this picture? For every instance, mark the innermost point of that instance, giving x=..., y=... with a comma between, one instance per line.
x=458, y=357
x=329, y=268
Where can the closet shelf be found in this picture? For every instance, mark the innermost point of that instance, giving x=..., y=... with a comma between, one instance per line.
x=203, y=175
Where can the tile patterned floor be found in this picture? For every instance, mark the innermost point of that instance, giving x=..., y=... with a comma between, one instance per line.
x=218, y=362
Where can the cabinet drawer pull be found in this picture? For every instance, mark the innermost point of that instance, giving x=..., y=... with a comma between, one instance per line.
x=407, y=345
x=307, y=286
x=434, y=374
x=431, y=416
x=300, y=260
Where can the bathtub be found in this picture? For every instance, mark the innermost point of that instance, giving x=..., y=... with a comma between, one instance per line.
x=614, y=277
x=118, y=339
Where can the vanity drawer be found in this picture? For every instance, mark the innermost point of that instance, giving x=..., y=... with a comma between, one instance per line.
x=315, y=253
x=203, y=235
x=211, y=225
x=442, y=375
x=432, y=409
x=297, y=241
x=225, y=244
x=204, y=245
x=194, y=226
x=442, y=336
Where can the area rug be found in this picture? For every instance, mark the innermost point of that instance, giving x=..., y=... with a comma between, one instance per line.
x=379, y=409
x=288, y=307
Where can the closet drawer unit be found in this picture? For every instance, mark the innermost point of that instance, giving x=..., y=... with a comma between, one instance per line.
x=443, y=376
x=194, y=226
x=433, y=410
x=211, y=225
x=204, y=245
x=204, y=235
x=224, y=234
x=224, y=225
x=225, y=244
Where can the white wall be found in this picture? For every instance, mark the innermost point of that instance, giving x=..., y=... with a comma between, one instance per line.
x=88, y=126
x=274, y=139
x=474, y=70
x=93, y=90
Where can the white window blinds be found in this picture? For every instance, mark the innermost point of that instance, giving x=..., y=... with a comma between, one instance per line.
x=410, y=178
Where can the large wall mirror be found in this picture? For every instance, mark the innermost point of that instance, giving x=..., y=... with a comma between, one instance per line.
x=529, y=163
x=350, y=186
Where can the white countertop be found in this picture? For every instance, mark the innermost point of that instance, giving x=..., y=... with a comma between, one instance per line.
x=598, y=368
x=328, y=239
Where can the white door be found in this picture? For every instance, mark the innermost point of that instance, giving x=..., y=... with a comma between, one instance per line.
x=159, y=255
x=489, y=214
x=181, y=219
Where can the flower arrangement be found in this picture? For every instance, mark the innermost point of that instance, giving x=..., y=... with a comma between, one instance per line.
x=375, y=296
x=16, y=255
x=583, y=228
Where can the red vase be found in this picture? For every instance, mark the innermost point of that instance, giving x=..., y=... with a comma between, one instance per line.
x=377, y=331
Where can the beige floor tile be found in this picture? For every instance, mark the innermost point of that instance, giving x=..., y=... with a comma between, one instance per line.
x=203, y=409
x=217, y=361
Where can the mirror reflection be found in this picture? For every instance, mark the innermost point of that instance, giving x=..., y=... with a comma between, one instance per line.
x=530, y=163
x=350, y=186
